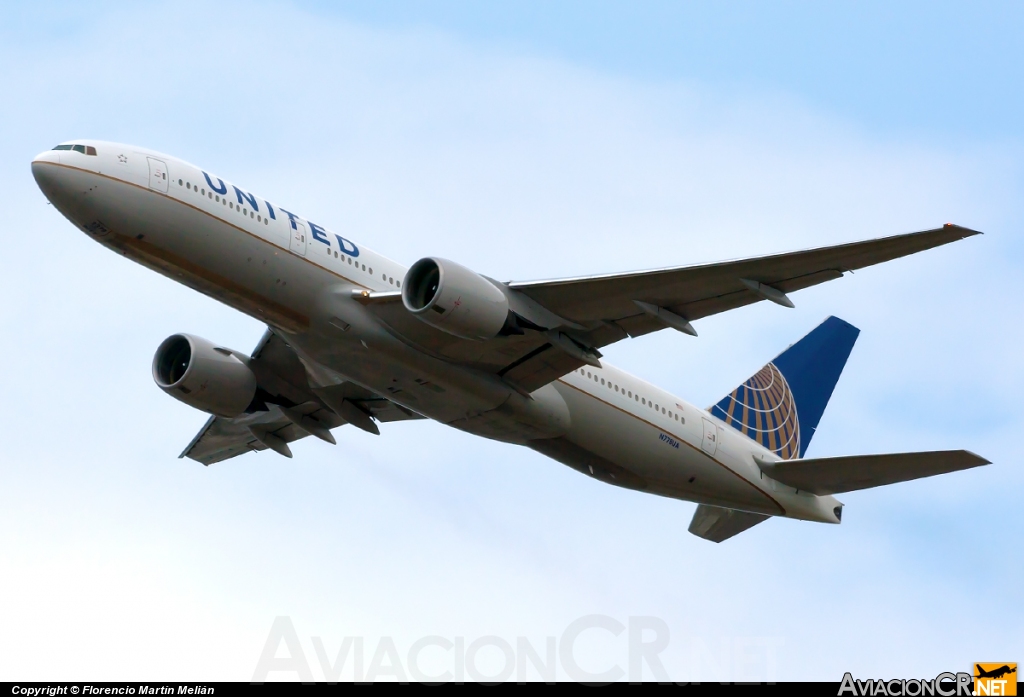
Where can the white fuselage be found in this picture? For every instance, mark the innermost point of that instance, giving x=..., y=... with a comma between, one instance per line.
x=297, y=277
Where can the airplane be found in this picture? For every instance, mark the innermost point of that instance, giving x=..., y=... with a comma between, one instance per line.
x=994, y=673
x=355, y=338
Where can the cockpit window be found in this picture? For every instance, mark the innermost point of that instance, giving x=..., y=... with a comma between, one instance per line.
x=84, y=149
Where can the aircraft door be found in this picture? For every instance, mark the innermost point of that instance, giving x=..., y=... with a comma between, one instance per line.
x=158, y=174
x=298, y=243
x=710, y=442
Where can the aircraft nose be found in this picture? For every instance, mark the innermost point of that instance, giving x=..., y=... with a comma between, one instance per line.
x=47, y=173
x=51, y=156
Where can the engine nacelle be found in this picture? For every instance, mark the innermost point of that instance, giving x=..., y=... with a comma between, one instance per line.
x=454, y=299
x=202, y=375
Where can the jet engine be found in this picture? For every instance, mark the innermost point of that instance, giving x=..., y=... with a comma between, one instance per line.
x=205, y=376
x=454, y=299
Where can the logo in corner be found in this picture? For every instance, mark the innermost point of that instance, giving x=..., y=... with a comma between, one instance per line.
x=995, y=678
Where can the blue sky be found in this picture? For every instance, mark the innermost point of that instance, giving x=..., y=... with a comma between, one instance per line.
x=526, y=141
x=942, y=69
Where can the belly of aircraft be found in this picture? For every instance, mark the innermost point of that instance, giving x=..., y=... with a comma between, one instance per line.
x=607, y=442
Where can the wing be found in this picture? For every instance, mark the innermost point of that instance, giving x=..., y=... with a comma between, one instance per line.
x=570, y=319
x=836, y=475
x=692, y=292
x=293, y=411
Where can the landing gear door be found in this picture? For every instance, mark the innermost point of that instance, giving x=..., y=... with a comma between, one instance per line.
x=158, y=174
x=710, y=442
x=298, y=243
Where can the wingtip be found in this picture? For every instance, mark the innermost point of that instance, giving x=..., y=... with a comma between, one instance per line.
x=964, y=231
x=981, y=461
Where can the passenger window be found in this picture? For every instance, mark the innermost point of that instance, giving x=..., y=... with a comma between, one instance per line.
x=203, y=192
x=79, y=148
x=189, y=186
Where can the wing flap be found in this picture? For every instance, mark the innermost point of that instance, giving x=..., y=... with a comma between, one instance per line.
x=837, y=475
x=222, y=439
x=719, y=524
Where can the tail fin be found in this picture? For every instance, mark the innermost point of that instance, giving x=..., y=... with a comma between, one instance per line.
x=781, y=405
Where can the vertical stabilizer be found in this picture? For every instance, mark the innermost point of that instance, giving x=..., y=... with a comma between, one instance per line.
x=780, y=406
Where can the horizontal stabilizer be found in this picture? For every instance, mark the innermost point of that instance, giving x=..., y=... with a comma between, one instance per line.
x=717, y=524
x=835, y=475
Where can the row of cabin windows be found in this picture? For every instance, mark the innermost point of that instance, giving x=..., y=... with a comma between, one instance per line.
x=224, y=201
x=349, y=260
x=636, y=397
x=266, y=221
x=84, y=149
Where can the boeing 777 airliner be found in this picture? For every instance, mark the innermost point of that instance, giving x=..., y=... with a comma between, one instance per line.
x=353, y=337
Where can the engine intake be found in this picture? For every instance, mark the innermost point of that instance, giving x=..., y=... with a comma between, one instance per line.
x=454, y=299
x=208, y=377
